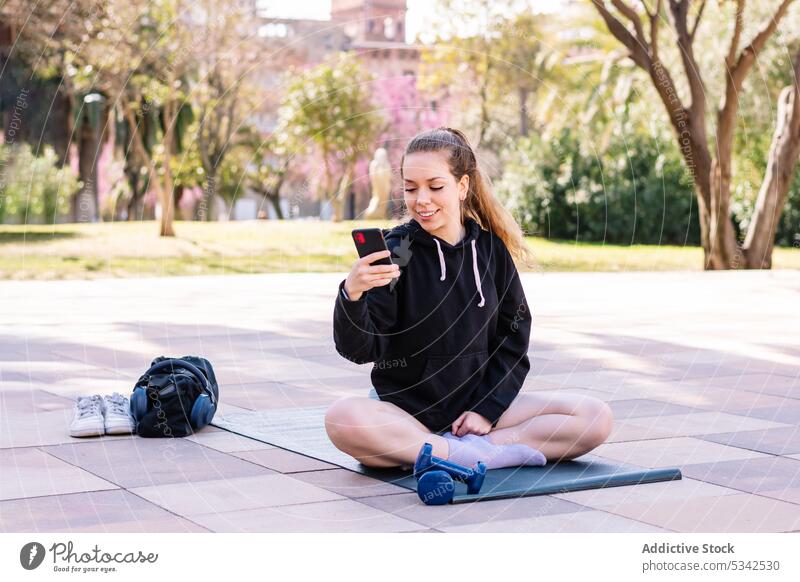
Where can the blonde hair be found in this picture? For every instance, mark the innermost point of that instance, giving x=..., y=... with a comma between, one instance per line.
x=480, y=204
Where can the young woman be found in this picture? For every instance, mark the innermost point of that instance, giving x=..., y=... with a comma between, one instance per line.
x=448, y=326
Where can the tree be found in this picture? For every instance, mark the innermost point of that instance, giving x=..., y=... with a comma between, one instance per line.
x=142, y=62
x=528, y=57
x=463, y=66
x=328, y=108
x=711, y=167
x=489, y=61
x=267, y=167
x=781, y=164
x=221, y=94
x=49, y=34
x=159, y=78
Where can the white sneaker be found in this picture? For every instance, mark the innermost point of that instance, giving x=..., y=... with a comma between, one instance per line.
x=118, y=419
x=88, y=417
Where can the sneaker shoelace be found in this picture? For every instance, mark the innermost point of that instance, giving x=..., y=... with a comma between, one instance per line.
x=88, y=405
x=117, y=403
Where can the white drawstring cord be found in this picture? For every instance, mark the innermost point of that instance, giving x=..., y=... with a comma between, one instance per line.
x=475, y=272
x=441, y=259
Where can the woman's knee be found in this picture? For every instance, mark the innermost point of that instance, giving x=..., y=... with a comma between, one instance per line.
x=344, y=417
x=599, y=421
x=350, y=425
x=357, y=420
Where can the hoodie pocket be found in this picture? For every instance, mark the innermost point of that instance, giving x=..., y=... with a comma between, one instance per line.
x=450, y=380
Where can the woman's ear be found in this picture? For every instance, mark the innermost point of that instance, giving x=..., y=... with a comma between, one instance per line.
x=463, y=187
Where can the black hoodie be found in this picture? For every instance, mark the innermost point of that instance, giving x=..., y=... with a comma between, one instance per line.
x=450, y=334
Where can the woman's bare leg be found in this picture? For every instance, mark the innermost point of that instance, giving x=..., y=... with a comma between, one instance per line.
x=379, y=434
x=561, y=426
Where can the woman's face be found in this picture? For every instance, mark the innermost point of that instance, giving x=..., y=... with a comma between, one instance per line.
x=431, y=192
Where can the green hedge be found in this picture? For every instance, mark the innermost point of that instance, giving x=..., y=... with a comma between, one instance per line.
x=635, y=192
x=33, y=189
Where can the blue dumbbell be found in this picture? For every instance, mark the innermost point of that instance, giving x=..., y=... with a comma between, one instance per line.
x=427, y=462
x=435, y=485
x=435, y=488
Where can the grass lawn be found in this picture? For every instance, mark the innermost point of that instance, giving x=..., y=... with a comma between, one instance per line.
x=134, y=249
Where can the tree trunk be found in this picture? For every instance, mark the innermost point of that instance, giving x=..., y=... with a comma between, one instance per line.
x=724, y=251
x=275, y=200
x=783, y=156
x=135, y=209
x=204, y=208
x=484, y=120
x=166, y=194
x=67, y=106
x=338, y=209
x=327, y=187
x=166, y=227
x=85, y=202
x=340, y=198
x=523, y=112
x=167, y=206
x=712, y=188
x=690, y=133
x=138, y=187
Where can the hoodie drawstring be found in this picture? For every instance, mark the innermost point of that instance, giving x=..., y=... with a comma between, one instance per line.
x=441, y=259
x=474, y=268
x=475, y=272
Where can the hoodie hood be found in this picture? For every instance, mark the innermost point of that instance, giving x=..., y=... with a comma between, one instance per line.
x=417, y=234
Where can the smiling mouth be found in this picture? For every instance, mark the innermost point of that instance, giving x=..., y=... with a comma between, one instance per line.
x=428, y=213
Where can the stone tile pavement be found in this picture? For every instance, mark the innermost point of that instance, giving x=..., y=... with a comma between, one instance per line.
x=700, y=369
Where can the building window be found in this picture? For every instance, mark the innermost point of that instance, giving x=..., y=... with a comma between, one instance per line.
x=274, y=30
x=389, y=28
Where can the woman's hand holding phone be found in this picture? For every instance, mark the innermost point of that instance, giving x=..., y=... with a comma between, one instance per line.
x=364, y=276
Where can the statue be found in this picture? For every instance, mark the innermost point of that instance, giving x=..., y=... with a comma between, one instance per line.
x=380, y=178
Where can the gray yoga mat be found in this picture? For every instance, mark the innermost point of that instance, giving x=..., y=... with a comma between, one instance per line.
x=302, y=430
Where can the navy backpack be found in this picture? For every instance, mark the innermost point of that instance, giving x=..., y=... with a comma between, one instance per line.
x=175, y=397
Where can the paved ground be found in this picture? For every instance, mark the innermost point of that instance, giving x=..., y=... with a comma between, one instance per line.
x=701, y=370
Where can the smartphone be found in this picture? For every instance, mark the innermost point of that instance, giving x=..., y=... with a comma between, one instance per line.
x=368, y=241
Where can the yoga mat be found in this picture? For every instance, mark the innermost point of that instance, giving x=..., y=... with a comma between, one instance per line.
x=302, y=430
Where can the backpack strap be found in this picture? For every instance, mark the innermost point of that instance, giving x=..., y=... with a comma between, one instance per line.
x=173, y=363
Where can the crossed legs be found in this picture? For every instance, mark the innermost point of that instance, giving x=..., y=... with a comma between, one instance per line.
x=380, y=434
